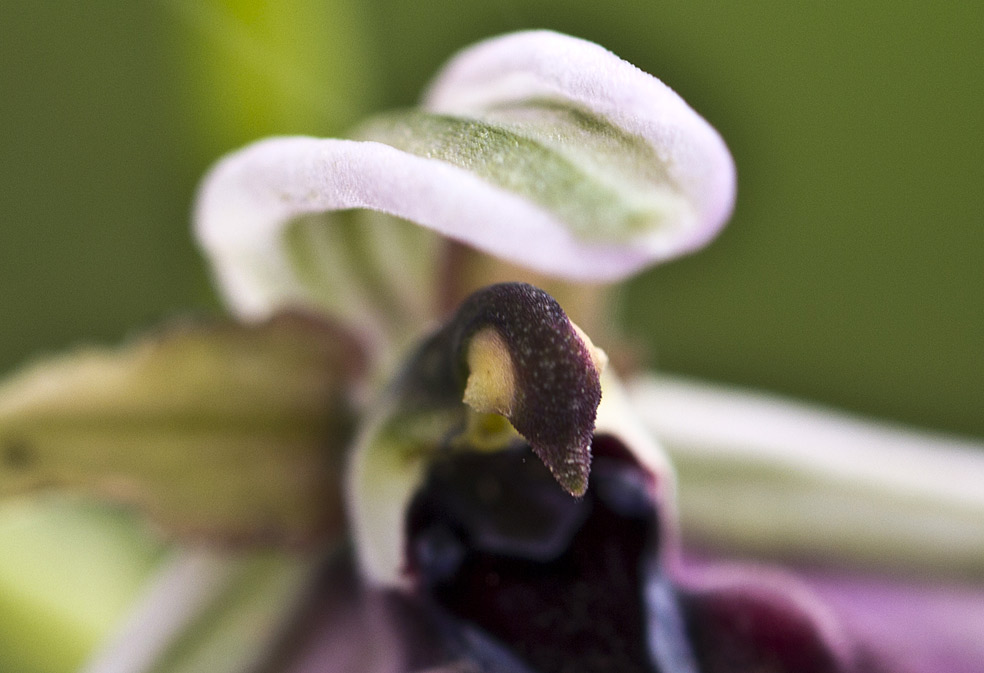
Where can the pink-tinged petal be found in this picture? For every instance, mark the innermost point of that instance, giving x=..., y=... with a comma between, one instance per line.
x=914, y=626
x=848, y=621
x=745, y=618
x=776, y=478
x=546, y=66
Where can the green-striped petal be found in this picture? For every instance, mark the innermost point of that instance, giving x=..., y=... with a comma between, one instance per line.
x=223, y=432
x=769, y=477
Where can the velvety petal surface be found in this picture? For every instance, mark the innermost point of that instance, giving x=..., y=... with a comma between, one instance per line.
x=745, y=618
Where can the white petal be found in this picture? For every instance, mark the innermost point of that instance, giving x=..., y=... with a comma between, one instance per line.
x=548, y=183
x=543, y=65
x=765, y=475
x=249, y=199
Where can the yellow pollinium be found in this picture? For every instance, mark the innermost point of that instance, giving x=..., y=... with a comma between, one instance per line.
x=491, y=385
x=489, y=391
x=487, y=432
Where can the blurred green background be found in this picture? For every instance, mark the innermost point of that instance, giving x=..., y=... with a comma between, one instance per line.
x=852, y=272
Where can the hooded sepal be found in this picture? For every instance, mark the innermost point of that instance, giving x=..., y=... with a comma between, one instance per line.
x=510, y=353
x=545, y=374
x=537, y=148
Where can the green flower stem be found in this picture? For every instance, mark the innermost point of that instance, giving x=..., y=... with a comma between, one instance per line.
x=254, y=68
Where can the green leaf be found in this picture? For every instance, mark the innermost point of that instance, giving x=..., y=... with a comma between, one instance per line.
x=49, y=620
x=222, y=431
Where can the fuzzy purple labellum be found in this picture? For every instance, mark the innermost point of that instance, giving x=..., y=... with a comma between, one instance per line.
x=516, y=578
x=522, y=578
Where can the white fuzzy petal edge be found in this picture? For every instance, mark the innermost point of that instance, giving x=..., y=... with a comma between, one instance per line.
x=547, y=65
x=250, y=197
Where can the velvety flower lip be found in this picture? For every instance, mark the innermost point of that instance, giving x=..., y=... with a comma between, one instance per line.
x=743, y=613
x=589, y=170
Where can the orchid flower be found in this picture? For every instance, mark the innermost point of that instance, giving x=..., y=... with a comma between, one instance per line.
x=407, y=454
